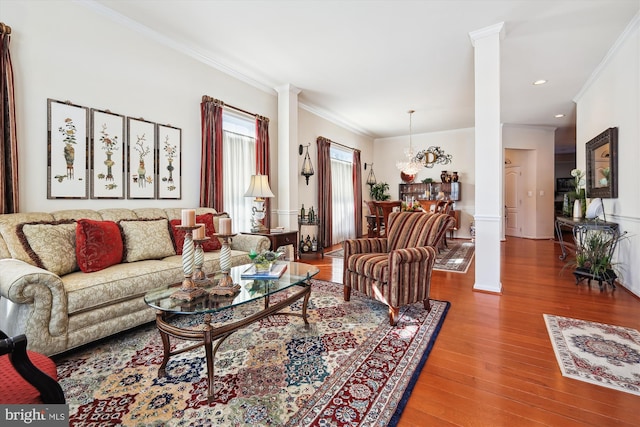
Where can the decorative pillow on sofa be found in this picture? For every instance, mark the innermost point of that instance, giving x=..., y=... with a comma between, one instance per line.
x=209, y=246
x=98, y=244
x=146, y=239
x=51, y=245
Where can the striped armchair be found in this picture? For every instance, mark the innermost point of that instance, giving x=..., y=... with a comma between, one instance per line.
x=396, y=270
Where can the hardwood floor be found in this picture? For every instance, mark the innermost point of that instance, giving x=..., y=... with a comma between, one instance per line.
x=493, y=363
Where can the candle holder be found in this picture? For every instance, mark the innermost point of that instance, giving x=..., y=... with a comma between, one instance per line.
x=188, y=291
x=225, y=285
x=199, y=276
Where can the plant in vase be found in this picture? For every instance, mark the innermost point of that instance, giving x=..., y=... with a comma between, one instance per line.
x=265, y=260
x=594, y=254
x=580, y=196
x=378, y=191
x=411, y=206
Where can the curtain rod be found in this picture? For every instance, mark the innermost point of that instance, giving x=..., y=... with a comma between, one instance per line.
x=4, y=29
x=337, y=143
x=206, y=98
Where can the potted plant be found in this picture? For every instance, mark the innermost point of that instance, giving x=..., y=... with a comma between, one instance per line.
x=594, y=255
x=379, y=191
x=265, y=260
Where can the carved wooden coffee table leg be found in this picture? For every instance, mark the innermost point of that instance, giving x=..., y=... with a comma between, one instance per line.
x=166, y=345
x=209, y=356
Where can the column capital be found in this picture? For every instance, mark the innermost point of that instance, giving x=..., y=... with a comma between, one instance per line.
x=287, y=88
x=487, y=31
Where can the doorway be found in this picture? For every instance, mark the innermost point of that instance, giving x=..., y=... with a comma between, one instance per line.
x=512, y=201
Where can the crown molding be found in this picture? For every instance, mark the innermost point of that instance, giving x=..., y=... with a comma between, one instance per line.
x=531, y=127
x=198, y=55
x=205, y=58
x=327, y=115
x=626, y=34
x=487, y=31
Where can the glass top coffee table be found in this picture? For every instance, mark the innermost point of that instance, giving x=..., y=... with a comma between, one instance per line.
x=294, y=282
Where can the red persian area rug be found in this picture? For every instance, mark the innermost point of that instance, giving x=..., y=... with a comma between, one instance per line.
x=597, y=353
x=348, y=368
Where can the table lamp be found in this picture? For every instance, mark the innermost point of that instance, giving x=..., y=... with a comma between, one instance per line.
x=258, y=188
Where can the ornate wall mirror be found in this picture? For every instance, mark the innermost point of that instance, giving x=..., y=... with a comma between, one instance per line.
x=602, y=165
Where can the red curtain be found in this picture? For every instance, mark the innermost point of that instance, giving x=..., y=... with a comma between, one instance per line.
x=357, y=191
x=262, y=159
x=324, y=190
x=8, y=138
x=211, y=164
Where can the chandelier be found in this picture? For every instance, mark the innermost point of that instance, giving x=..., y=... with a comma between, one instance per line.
x=411, y=164
x=433, y=156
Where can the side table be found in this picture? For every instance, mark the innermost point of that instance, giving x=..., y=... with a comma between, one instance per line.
x=573, y=223
x=280, y=239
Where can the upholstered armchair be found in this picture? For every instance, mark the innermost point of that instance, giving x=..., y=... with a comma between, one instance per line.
x=27, y=377
x=396, y=269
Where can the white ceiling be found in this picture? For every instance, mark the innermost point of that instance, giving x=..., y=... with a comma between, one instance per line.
x=364, y=64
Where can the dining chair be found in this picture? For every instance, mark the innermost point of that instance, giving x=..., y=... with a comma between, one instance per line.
x=384, y=209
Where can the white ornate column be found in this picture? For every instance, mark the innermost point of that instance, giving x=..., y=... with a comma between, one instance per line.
x=287, y=169
x=488, y=157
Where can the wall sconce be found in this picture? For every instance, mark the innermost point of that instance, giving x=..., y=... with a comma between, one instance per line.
x=433, y=156
x=307, y=167
x=371, y=178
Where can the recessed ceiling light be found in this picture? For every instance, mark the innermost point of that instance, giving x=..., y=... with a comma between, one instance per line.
x=539, y=82
x=559, y=116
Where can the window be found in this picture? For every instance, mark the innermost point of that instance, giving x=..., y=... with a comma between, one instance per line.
x=239, y=163
x=343, y=209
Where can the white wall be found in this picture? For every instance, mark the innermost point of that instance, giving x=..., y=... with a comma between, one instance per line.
x=310, y=128
x=459, y=143
x=95, y=62
x=66, y=51
x=612, y=99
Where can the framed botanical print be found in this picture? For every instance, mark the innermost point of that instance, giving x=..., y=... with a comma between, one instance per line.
x=169, y=162
x=107, y=155
x=141, y=159
x=67, y=150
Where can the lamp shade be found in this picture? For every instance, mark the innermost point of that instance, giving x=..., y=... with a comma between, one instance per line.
x=259, y=187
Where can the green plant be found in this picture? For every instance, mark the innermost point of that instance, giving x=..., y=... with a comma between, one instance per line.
x=266, y=258
x=379, y=191
x=594, y=252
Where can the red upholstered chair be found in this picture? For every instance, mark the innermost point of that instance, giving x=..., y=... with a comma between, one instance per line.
x=396, y=269
x=27, y=377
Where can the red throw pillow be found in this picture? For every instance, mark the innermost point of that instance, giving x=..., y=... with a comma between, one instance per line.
x=213, y=244
x=98, y=244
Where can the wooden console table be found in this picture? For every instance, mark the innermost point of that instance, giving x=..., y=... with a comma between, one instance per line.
x=287, y=237
x=572, y=223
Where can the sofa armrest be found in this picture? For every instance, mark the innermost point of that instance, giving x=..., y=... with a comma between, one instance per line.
x=246, y=242
x=22, y=283
x=361, y=246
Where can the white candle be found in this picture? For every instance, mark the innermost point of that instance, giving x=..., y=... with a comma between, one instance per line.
x=188, y=217
x=198, y=233
x=225, y=225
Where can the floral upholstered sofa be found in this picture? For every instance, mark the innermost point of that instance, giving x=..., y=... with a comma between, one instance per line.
x=71, y=277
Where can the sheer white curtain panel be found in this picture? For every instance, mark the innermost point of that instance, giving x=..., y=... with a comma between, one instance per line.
x=342, y=201
x=239, y=163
